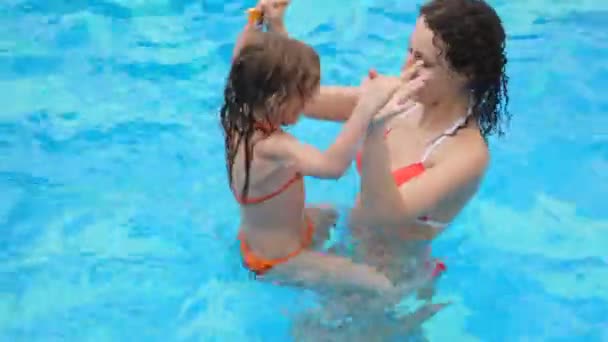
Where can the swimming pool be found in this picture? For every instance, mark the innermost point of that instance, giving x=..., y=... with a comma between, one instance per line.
x=116, y=223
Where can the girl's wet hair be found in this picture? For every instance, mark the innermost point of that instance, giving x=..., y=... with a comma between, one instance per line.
x=270, y=71
x=474, y=45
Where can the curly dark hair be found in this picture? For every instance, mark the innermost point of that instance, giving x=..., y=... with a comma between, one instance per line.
x=270, y=70
x=474, y=45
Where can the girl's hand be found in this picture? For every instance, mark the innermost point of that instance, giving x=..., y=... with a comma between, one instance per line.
x=376, y=90
x=274, y=13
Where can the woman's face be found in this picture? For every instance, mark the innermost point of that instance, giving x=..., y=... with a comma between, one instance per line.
x=441, y=81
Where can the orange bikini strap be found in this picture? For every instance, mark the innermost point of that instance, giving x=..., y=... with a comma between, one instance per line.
x=265, y=128
x=260, y=199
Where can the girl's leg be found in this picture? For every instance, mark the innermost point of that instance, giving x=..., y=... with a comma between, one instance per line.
x=331, y=274
x=324, y=218
x=364, y=324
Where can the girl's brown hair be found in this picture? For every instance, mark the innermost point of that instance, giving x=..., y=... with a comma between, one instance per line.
x=269, y=71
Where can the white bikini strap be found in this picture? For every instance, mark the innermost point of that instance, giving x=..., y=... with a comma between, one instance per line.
x=448, y=132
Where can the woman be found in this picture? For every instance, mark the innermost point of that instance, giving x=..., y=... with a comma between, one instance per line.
x=419, y=170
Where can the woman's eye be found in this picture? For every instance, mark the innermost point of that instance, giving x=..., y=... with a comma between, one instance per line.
x=425, y=64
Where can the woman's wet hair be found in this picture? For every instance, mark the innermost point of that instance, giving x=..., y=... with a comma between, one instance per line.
x=470, y=36
x=270, y=71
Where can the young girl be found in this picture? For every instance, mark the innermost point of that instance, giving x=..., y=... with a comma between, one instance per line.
x=271, y=79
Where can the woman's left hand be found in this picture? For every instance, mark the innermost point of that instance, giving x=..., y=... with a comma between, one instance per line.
x=401, y=102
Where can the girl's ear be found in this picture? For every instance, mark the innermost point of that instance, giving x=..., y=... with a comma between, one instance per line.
x=276, y=105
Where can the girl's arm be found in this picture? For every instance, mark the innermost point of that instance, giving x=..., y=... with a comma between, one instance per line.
x=274, y=14
x=241, y=41
x=308, y=160
x=272, y=11
x=375, y=92
x=333, y=162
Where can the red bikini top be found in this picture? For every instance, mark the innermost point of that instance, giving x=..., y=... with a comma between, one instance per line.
x=403, y=174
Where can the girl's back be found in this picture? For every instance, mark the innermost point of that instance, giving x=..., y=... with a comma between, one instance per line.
x=271, y=79
x=273, y=209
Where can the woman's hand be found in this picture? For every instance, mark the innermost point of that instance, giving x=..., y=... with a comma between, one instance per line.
x=401, y=101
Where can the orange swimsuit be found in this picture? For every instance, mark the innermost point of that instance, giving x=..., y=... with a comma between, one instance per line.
x=259, y=265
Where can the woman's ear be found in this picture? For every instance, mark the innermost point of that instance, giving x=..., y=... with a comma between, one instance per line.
x=466, y=77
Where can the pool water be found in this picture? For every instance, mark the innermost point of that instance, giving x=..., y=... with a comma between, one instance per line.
x=116, y=222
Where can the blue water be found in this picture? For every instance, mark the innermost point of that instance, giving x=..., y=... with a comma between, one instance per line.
x=115, y=218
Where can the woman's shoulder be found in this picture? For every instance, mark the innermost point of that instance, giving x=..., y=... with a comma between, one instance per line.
x=471, y=149
x=466, y=153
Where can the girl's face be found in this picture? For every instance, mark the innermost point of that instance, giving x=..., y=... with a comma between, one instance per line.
x=441, y=80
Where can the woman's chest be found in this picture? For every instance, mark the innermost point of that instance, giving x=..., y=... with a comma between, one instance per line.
x=404, y=147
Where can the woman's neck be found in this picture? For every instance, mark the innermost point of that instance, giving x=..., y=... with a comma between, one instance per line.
x=441, y=115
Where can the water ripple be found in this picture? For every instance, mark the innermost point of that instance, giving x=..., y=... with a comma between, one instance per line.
x=116, y=220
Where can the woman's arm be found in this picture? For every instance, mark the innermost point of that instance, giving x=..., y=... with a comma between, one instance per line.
x=333, y=103
x=336, y=103
x=385, y=205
